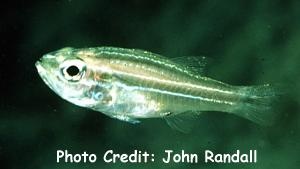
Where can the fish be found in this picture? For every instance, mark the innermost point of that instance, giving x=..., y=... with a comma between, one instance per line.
x=134, y=84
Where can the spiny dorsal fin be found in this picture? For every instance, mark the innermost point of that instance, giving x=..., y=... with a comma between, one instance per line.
x=196, y=64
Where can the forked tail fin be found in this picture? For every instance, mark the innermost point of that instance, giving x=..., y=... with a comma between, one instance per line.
x=258, y=104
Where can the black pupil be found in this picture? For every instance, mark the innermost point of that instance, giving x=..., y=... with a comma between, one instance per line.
x=73, y=70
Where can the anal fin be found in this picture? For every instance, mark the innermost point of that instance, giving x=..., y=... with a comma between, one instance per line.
x=182, y=122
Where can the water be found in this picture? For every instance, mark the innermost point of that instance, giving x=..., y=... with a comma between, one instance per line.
x=248, y=43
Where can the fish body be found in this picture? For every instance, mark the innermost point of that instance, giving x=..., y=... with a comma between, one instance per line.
x=130, y=84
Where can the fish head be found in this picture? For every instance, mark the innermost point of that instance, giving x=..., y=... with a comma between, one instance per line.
x=70, y=76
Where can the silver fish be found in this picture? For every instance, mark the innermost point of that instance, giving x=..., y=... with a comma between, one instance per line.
x=131, y=84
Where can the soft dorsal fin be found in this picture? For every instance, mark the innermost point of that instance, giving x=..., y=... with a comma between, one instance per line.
x=196, y=64
x=182, y=122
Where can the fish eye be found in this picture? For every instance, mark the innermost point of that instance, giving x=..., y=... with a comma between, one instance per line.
x=73, y=70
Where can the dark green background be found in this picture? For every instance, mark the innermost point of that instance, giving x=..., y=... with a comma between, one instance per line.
x=250, y=43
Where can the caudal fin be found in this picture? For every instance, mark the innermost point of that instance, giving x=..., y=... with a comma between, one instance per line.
x=258, y=104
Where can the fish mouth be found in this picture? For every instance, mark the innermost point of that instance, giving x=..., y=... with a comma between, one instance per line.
x=47, y=76
x=42, y=72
